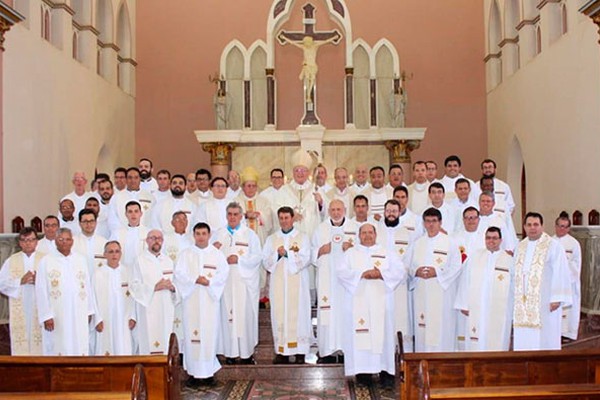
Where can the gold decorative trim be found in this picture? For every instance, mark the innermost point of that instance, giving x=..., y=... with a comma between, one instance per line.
x=220, y=153
x=400, y=150
x=8, y=17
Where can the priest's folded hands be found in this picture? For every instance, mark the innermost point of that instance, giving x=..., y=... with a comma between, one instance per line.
x=426, y=272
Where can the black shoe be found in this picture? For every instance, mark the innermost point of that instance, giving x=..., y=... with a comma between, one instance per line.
x=248, y=361
x=208, y=381
x=300, y=359
x=281, y=359
x=229, y=361
x=386, y=378
x=364, y=379
x=565, y=340
x=340, y=359
x=327, y=360
x=193, y=383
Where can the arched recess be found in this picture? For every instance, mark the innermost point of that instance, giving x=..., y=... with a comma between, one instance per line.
x=564, y=16
x=538, y=39
x=362, y=75
x=104, y=20
x=493, y=61
x=515, y=177
x=83, y=11
x=125, y=69
x=384, y=71
x=234, y=77
x=258, y=85
x=104, y=161
x=512, y=17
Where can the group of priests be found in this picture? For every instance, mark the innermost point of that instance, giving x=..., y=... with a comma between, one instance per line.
x=122, y=266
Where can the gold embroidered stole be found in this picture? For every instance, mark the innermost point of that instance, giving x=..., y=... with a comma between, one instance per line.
x=429, y=295
x=527, y=309
x=500, y=287
x=286, y=295
x=22, y=341
x=234, y=294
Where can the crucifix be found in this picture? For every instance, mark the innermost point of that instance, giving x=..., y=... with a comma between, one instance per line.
x=309, y=41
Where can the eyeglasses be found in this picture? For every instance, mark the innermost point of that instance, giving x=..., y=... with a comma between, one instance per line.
x=155, y=237
x=219, y=186
x=28, y=240
x=87, y=221
x=562, y=226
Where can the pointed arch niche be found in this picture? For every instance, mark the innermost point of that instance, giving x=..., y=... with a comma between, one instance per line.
x=232, y=69
x=106, y=47
x=126, y=66
x=510, y=45
x=493, y=59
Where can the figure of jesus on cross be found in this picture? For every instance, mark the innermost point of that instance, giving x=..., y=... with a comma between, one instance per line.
x=309, y=41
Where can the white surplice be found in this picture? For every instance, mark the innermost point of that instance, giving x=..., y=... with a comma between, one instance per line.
x=239, y=304
x=201, y=307
x=155, y=310
x=368, y=309
x=485, y=290
x=289, y=291
x=25, y=330
x=570, y=314
x=64, y=293
x=133, y=241
x=115, y=307
x=433, y=298
x=330, y=293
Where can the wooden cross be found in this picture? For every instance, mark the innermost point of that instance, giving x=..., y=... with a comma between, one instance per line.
x=309, y=41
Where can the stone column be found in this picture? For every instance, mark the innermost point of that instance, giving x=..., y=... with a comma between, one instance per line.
x=247, y=106
x=400, y=154
x=349, y=97
x=270, y=98
x=8, y=17
x=220, y=157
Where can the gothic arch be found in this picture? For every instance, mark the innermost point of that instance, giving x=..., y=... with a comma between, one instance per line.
x=104, y=20
x=494, y=29
x=280, y=13
x=512, y=17
x=234, y=44
x=124, y=31
x=257, y=46
x=384, y=43
x=83, y=11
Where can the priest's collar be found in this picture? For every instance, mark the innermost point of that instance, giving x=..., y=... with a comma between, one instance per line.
x=288, y=231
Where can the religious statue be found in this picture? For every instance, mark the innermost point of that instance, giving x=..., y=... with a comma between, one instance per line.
x=398, y=103
x=309, y=65
x=222, y=105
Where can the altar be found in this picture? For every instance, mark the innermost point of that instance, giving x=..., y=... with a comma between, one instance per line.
x=374, y=105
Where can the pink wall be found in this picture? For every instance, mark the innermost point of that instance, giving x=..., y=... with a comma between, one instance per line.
x=441, y=43
x=1, y=145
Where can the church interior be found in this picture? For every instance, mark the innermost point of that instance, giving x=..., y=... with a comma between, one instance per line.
x=92, y=85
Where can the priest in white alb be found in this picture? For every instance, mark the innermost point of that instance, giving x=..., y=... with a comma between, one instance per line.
x=484, y=296
x=542, y=287
x=115, y=318
x=239, y=305
x=17, y=282
x=570, y=314
x=329, y=242
x=286, y=255
x=155, y=295
x=201, y=275
x=65, y=299
x=434, y=267
x=369, y=280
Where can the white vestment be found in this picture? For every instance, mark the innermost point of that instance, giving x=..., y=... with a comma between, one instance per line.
x=45, y=246
x=73, y=225
x=162, y=213
x=155, y=310
x=64, y=294
x=301, y=198
x=368, y=340
x=330, y=293
x=78, y=201
x=448, y=217
x=485, y=290
x=201, y=307
x=359, y=189
x=116, y=216
x=263, y=225
x=149, y=185
x=418, y=197
x=377, y=199
x=502, y=195
x=570, y=314
x=289, y=292
x=346, y=196
x=505, y=224
x=450, y=184
x=239, y=304
x=541, y=277
x=396, y=240
x=133, y=241
x=115, y=308
x=433, y=298
x=25, y=330
x=214, y=212
x=92, y=248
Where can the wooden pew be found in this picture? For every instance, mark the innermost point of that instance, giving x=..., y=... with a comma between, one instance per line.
x=93, y=374
x=138, y=391
x=553, y=391
x=482, y=369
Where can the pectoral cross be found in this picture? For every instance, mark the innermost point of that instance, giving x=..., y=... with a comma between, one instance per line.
x=309, y=41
